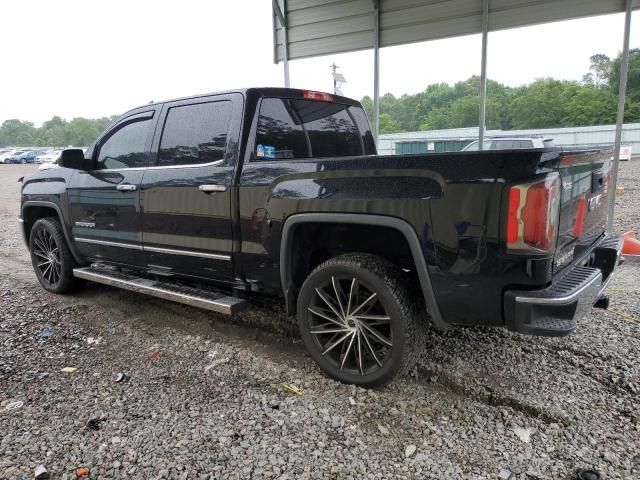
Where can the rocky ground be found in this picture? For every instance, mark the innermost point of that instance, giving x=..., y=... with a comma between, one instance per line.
x=203, y=397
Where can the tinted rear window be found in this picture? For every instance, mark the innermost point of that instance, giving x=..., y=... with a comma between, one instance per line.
x=195, y=134
x=290, y=128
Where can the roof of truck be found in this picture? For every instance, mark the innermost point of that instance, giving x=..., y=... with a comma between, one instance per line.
x=259, y=92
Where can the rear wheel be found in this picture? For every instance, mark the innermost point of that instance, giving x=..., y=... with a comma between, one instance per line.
x=359, y=319
x=50, y=255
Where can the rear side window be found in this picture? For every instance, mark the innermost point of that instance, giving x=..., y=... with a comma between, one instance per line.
x=363, y=126
x=126, y=147
x=290, y=128
x=502, y=145
x=279, y=133
x=195, y=134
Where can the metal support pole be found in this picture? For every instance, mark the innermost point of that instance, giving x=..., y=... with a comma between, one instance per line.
x=622, y=93
x=483, y=74
x=376, y=71
x=281, y=14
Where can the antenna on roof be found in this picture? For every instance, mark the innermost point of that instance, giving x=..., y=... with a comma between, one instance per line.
x=338, y=79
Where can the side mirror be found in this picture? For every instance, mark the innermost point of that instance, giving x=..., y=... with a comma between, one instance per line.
x=74, y=158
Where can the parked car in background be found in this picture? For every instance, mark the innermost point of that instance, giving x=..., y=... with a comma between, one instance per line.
x=510, y=143
x=48, y=157
x=6, y=155
x=25, y=157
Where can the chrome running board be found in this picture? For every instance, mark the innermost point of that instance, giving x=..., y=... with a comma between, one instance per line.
x=216, y=302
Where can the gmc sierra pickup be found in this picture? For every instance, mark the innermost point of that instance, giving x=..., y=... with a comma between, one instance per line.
x=213, y=199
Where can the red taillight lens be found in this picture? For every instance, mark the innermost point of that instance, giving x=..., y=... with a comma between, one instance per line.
x=578, y=227
x=532, y=218
x=512, y=221
x=311, y=95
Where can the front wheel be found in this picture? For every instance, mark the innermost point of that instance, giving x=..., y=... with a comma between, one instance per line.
x=359, y=319
x=51, y=258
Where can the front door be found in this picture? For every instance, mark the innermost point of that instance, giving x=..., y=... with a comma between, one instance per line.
x=186, y=197
x=104, y=203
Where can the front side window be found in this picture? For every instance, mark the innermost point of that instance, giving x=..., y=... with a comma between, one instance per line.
x=126, y=147
x=195, y=134
x=502, y=145
x=289, y=128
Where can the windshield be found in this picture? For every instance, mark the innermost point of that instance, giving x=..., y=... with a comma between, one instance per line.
x=473, y=146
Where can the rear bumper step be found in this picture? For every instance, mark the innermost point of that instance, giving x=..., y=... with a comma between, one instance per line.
x=194, y=297
x=555, y=310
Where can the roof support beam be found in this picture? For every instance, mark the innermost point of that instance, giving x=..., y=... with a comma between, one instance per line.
x=280, y=13
x=376, y=70
x=622, y=93
x=483, y=74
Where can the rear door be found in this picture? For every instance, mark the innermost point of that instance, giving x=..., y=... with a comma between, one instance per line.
x=104, y=203
x=186, y=196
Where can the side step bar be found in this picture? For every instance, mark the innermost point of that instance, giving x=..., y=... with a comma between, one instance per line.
x=216, y=302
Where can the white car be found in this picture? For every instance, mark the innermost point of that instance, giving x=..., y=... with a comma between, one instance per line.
x=48, y=157
x=5, y=153
x=510, y=143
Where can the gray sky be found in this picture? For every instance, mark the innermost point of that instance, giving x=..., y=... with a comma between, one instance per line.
x=95, y=58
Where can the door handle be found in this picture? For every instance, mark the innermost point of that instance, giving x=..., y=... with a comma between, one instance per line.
x=126, y=187
x=212, y=188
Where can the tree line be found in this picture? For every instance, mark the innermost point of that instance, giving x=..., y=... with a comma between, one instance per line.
x=56, y=132
x=544, y=103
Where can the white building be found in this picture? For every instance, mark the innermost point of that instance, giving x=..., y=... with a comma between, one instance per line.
x=454, y=139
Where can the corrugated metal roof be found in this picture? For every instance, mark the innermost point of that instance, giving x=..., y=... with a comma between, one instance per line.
x=321, y=27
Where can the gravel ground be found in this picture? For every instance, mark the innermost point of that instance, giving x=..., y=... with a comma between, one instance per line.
x=204, y=397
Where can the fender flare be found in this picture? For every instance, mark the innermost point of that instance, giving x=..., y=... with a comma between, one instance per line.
x=37, y=203
x=402, y=226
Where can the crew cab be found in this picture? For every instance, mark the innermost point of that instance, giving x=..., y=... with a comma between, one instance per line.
x=213, y=200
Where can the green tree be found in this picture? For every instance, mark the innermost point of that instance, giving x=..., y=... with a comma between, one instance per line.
x=388, y=124
x=633, y=74
x=540, y=104
x=16, y=132
x=55, y=132
x=590, y=106
x=599, y=71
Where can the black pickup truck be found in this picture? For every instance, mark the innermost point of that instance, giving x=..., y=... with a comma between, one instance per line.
x=213, y=199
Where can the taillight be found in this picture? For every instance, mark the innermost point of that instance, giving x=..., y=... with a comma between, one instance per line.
x=578, y=227
x=311, y=95
x=532, y=217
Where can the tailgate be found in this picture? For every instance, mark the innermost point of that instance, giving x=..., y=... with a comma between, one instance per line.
x=585, y=189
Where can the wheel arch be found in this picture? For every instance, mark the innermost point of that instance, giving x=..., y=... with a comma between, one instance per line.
x=286, y=253
x=34, y=210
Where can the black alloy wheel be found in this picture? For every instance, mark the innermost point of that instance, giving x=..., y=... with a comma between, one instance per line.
x=359, y=319
x=50, y=256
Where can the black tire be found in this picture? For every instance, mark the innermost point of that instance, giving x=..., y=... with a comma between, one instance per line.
x=393, y=314
x=52, y=261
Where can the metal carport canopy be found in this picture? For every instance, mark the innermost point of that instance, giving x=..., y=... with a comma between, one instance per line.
x=308, y=28
x=321, y=27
